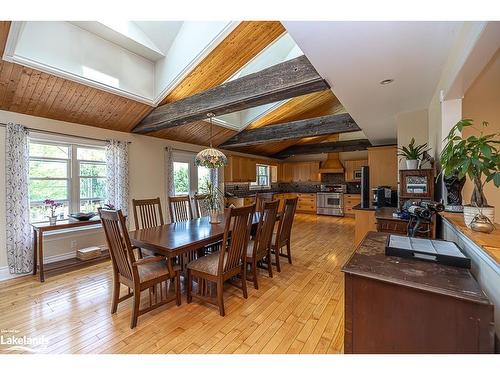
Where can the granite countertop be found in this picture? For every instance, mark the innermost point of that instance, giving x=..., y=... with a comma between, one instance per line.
x=369, y=260
x=369, y=208
x=252, y=194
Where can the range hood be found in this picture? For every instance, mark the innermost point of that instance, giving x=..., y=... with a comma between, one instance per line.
x=332, y=164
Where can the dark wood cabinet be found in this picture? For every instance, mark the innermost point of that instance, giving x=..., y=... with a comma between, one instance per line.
x=416, y=184
x=397, y=305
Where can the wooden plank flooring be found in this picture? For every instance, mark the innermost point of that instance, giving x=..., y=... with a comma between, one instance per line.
x=299, y=310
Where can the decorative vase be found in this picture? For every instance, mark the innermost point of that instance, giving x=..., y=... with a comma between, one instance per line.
x=412, y=164
x=471, y=211
x=481, y=223
x=214, y=217
x=454, y=187
x=52, y=220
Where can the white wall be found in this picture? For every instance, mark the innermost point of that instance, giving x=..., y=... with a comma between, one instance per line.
x=147, y=174
x=411, y=125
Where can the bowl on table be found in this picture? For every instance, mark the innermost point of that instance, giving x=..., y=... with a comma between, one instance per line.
x=82, y=216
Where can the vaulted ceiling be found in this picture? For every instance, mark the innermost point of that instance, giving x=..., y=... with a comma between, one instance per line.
x=29, y=91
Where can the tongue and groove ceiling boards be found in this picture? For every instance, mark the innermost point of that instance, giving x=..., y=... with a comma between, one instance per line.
x=90, y=92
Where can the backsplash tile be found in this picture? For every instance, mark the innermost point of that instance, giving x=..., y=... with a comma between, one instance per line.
x=242, y=189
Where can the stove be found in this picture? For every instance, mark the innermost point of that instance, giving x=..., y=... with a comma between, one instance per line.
x=330, y=201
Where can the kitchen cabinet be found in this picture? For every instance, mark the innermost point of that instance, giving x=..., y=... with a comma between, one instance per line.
x=351, y=200
x=383, y=164
x=240, y=169
x=300, y=172
x=351, y=166
x=306, y=203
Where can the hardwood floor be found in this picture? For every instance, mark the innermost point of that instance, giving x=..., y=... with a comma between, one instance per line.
x=300, y=310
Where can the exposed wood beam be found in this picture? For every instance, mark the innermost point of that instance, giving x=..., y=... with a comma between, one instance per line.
x=331, y=124
x=319, y=148
x=282, y=81
x=228, y=57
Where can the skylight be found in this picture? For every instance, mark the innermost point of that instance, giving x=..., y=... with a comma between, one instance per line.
x=281, y=50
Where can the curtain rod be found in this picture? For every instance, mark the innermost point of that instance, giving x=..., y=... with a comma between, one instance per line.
x=57, y=133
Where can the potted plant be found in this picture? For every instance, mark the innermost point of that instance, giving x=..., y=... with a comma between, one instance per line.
x=53, y=205
x=214, y=201
x=476, y=157
x=412, y=153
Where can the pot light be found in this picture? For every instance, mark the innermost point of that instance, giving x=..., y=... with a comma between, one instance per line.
x=386, y=81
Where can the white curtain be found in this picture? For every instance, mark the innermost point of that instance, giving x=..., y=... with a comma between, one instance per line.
x=117, y=180
x=18, y=236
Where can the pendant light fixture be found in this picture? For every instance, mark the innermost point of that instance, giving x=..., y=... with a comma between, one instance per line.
x=210, y=157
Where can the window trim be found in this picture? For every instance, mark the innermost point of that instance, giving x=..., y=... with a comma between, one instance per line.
x=254, y=185
x=73, y=170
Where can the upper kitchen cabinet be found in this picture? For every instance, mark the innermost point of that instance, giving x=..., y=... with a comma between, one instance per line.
x=300, y=172
x=240, y=169
x=353, y=169
x=383, y=164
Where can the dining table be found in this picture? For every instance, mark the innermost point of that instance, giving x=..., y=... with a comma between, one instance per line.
x=176, y=239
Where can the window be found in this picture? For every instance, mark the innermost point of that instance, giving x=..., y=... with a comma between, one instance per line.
x=181, y=178
x=189, y=178
x=203, y=179
x=92, y=178
x=263, y=178
x=70, y=174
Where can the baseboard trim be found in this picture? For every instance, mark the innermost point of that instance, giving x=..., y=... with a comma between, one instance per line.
x=6, y=275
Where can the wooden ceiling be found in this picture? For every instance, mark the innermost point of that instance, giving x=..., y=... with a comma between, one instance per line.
x=29, y=91
x=299, y=108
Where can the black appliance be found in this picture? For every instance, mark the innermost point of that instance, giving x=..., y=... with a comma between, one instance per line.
x=365, y=187
x=383, y=196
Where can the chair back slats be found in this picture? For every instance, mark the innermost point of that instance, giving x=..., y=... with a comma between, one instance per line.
x=264, y=234
x=180, y=208
x=118, y=241
x=285, y=225
x=147, y=213
x=201, y=205
x=238, y=226
x=260, y=199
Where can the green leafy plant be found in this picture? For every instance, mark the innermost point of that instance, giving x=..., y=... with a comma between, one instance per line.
x=474, y=157
x=215, y=197
x=413, y=152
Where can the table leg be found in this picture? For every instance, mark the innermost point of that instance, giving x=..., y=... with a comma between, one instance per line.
x=35, y=249
x=40, y=255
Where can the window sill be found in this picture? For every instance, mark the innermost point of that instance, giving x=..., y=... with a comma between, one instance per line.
x=88, y=228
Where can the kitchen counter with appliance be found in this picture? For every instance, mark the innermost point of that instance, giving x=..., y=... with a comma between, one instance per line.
x=330, y=200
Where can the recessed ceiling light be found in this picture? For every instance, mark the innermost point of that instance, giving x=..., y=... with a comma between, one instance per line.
x=386, y=81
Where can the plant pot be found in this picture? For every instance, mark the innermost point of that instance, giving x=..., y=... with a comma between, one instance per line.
x=214, y=217
x=412, y=164
x=471, y=211
x=52, y=220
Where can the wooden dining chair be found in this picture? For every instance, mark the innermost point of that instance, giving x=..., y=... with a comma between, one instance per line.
x=226, y=263
x=260, y=248
x=147, y=214
x=137, y=275
x=180, y=208
x=282, y=237
x=260, y=199
x=201, y=205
